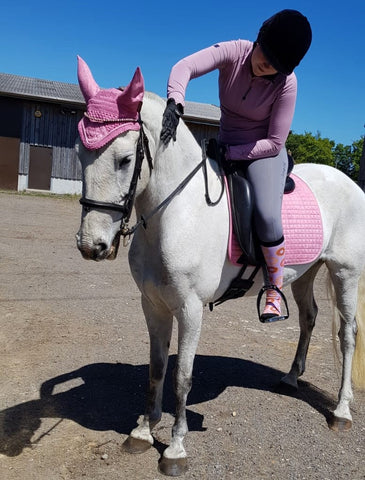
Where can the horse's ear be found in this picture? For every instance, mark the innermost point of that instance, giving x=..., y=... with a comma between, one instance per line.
x=89, y=88
x=133, y=94
x=138, y=82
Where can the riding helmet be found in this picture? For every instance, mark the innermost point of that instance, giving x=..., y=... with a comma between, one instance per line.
x=284, y=39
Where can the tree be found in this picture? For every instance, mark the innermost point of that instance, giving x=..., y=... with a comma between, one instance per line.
x=308, y=148
x=343, y=159
x=350, y=159
x=361, y=179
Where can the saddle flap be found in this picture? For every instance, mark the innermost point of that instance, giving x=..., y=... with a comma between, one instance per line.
x=242, y=209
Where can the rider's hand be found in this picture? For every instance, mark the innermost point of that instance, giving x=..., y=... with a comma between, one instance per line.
x=170, y=120
x=216, y=151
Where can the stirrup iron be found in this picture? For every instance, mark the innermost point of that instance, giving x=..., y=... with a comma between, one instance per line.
x=271, y=318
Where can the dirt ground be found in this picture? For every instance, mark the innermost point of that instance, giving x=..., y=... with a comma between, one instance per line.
x=75, y=329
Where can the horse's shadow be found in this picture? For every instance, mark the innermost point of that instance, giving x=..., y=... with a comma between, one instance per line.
x=112, y=396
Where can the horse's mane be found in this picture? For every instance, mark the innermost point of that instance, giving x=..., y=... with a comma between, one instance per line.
x=155, y=106
x=154, y=96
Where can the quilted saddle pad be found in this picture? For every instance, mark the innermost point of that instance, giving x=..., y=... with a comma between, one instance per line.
x=302, y=223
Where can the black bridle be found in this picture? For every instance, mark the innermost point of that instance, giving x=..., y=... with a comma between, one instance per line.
x=126, y=207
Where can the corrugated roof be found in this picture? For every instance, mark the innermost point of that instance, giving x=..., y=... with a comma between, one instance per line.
x=202, y=111
x=35, y=88
x=48, y=90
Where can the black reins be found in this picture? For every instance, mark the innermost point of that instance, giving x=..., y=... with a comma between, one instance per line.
x=143, y=150
x=180, y=188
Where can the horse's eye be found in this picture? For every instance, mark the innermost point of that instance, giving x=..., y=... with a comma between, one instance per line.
x=121, y=162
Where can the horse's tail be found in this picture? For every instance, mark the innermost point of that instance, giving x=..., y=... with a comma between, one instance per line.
x=358, y=362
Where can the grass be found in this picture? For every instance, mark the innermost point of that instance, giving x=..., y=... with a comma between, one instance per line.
x=40, y=193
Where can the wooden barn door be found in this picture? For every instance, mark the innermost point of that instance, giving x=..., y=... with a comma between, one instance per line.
x=40, y=168
x=9, y=162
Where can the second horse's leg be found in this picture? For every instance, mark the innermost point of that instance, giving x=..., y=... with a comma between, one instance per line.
x=303, y=294
x=174, y=459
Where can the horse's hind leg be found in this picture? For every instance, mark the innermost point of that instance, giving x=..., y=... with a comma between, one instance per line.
x=159, y=322
x=345, y=282
x=303, y=294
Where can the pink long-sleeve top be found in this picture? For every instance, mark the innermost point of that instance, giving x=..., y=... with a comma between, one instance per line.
x=256, y=112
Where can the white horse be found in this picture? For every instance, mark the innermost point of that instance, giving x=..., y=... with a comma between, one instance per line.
x=178, y=256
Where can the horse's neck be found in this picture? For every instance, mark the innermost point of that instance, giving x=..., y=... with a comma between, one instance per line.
x=171, y=164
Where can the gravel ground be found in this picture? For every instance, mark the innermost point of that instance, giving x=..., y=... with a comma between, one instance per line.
x=76, y=328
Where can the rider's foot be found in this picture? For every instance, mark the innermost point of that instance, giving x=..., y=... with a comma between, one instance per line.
x=271, y=317
x=272, y=311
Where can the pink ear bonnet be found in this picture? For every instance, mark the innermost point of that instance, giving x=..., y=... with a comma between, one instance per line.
x=110, y=112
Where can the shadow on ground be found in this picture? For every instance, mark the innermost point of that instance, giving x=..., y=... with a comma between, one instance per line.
x=111, y=397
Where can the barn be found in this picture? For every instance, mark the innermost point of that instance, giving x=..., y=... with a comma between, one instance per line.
x=38, y=128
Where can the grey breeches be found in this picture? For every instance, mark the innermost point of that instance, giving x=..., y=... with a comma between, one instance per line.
x=267, y=177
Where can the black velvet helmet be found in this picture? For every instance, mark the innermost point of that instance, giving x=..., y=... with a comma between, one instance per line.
x=284, y=39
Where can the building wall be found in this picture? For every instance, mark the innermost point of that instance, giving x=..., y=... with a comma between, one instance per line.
x=54, y=126
x=37, y=145
x=202, y=132
x=11, y=113
x=10, y=132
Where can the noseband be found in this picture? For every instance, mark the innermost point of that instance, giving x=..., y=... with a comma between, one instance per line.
x=126, y=208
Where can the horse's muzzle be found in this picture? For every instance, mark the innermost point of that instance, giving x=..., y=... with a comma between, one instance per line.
x=98, y=251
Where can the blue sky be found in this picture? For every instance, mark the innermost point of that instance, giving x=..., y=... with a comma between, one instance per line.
x=42, y=38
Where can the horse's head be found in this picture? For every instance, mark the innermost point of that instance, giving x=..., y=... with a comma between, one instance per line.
x=110, y=147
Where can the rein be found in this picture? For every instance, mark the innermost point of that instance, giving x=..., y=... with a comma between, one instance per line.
x=178, y=189
x=127, y=206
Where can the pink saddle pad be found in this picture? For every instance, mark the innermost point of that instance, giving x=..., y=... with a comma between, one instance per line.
x=302, y=223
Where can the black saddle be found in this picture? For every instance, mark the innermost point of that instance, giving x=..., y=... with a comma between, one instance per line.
x=242, y=206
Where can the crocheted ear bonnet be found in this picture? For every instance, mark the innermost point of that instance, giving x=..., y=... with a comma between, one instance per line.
x=109, y=112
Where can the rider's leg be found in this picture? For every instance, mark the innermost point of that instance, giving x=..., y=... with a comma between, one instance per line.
x=275, y=259
x=267, y=176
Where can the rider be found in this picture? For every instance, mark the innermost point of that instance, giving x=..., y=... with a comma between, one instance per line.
x=257, y=91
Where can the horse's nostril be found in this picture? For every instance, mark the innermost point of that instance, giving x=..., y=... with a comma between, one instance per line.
x=101, y=247
x=99, y=250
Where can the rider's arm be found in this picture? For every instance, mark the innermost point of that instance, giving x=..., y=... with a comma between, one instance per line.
x=280, y=122
x=200, y=63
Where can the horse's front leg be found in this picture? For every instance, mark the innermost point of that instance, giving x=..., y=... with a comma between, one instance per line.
x=174, y=459
x=159, y=322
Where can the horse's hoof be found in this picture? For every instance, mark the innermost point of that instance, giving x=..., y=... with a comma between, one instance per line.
x=338, y=424
x=174, y=467
x=287, y=386
x=136, y=445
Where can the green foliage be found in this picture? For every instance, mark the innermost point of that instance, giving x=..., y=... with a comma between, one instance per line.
x=308, y=148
